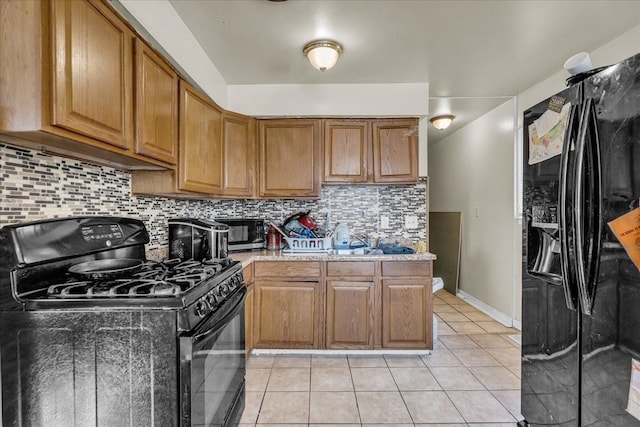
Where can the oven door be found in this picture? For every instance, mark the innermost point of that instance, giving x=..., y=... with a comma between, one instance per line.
x=212, y=367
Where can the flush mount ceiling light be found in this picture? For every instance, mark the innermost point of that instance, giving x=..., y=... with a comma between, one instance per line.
x=442, y=122
x=323, y=54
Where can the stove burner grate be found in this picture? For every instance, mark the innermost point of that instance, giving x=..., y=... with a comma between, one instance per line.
x=160, y=279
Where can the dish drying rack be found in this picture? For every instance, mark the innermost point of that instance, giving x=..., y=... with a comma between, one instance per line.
x=302, y=246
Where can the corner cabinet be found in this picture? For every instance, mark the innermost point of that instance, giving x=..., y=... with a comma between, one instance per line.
x=289, y=158
x=217, y=154
x=156, y=106
x=373, y=151
x=200, y=165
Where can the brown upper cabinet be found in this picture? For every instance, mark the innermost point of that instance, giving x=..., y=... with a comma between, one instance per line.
x=92, y=72
x=239, y=163
x=217, y=154
x=289, y=158
x=76, y=97
x=156, y=106
x=374, y=151
x=395, y=151
x=200, y=166
x=347, y=146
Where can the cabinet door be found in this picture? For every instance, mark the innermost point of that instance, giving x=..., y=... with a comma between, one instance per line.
x=248, y=318
x=407, y=313
x=346, y=151
x=239, y=155
x=395, y=151
x=92, y=91
x=350, y=315
x=156, y=106
x=287, y=314
x=289, y=158
x=200, y=166
x=247, y=272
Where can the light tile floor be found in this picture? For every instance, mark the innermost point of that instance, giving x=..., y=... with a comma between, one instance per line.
x=472, y=378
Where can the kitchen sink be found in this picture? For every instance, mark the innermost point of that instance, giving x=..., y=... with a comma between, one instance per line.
x=354, y=251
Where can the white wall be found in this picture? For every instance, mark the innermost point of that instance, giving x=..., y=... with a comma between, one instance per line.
x=471, y=171
x=164, y=24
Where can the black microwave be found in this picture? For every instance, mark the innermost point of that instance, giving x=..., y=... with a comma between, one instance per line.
x=245, y=234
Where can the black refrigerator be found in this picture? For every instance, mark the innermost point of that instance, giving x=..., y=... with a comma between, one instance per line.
x=581, y=279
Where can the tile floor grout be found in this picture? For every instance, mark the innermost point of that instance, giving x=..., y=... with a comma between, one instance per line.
x=460, y=352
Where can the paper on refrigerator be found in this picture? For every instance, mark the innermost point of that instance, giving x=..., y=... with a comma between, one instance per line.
x=627, y=230
x=546, y=134
x=633, y=404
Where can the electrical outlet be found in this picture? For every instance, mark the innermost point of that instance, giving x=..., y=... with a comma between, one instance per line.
x=410, y=221
x=477, y=212
x=384, y=222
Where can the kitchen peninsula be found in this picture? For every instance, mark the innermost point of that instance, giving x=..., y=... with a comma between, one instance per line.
x=338, y=302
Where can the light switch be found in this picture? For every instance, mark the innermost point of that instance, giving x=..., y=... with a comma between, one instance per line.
x=410, y=221
x=384, y=222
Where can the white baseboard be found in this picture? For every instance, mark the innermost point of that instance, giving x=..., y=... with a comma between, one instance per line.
x=438, y=284
x=517, y=324
x=486, y=309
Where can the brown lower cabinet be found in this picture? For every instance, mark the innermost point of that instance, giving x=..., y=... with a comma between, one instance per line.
x=350, y=314
x=288, y=305
x=247, y=273
x=343, y=305
x=404, y=313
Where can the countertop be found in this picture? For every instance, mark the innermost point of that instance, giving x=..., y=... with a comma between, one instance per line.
x=248, y=257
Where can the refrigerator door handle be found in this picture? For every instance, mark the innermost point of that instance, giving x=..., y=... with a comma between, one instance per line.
x=587, y=245
x=564, y=217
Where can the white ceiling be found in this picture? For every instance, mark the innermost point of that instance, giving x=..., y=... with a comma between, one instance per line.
x=475, y=54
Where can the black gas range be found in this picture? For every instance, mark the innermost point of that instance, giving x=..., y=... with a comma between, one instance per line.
x=75, y=291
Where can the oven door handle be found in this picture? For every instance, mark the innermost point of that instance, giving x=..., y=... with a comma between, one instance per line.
x=204, y=331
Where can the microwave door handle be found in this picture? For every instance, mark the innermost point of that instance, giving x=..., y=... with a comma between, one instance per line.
x=564, y=216
x=586, y=272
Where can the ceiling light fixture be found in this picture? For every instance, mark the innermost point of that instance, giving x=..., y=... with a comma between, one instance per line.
x=323, y=54
x=442, y=122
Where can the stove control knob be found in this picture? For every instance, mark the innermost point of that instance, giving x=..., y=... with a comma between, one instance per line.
x=211, y=299
x=234, y=282
x=222, y=290
x=202, y=308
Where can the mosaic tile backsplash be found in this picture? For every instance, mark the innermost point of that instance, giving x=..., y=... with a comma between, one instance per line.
x=36, y=186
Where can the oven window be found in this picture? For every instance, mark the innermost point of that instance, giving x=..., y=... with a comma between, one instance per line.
x=217, y=373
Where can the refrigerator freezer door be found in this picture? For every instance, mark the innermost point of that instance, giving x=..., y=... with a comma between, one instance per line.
x=609, y=338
